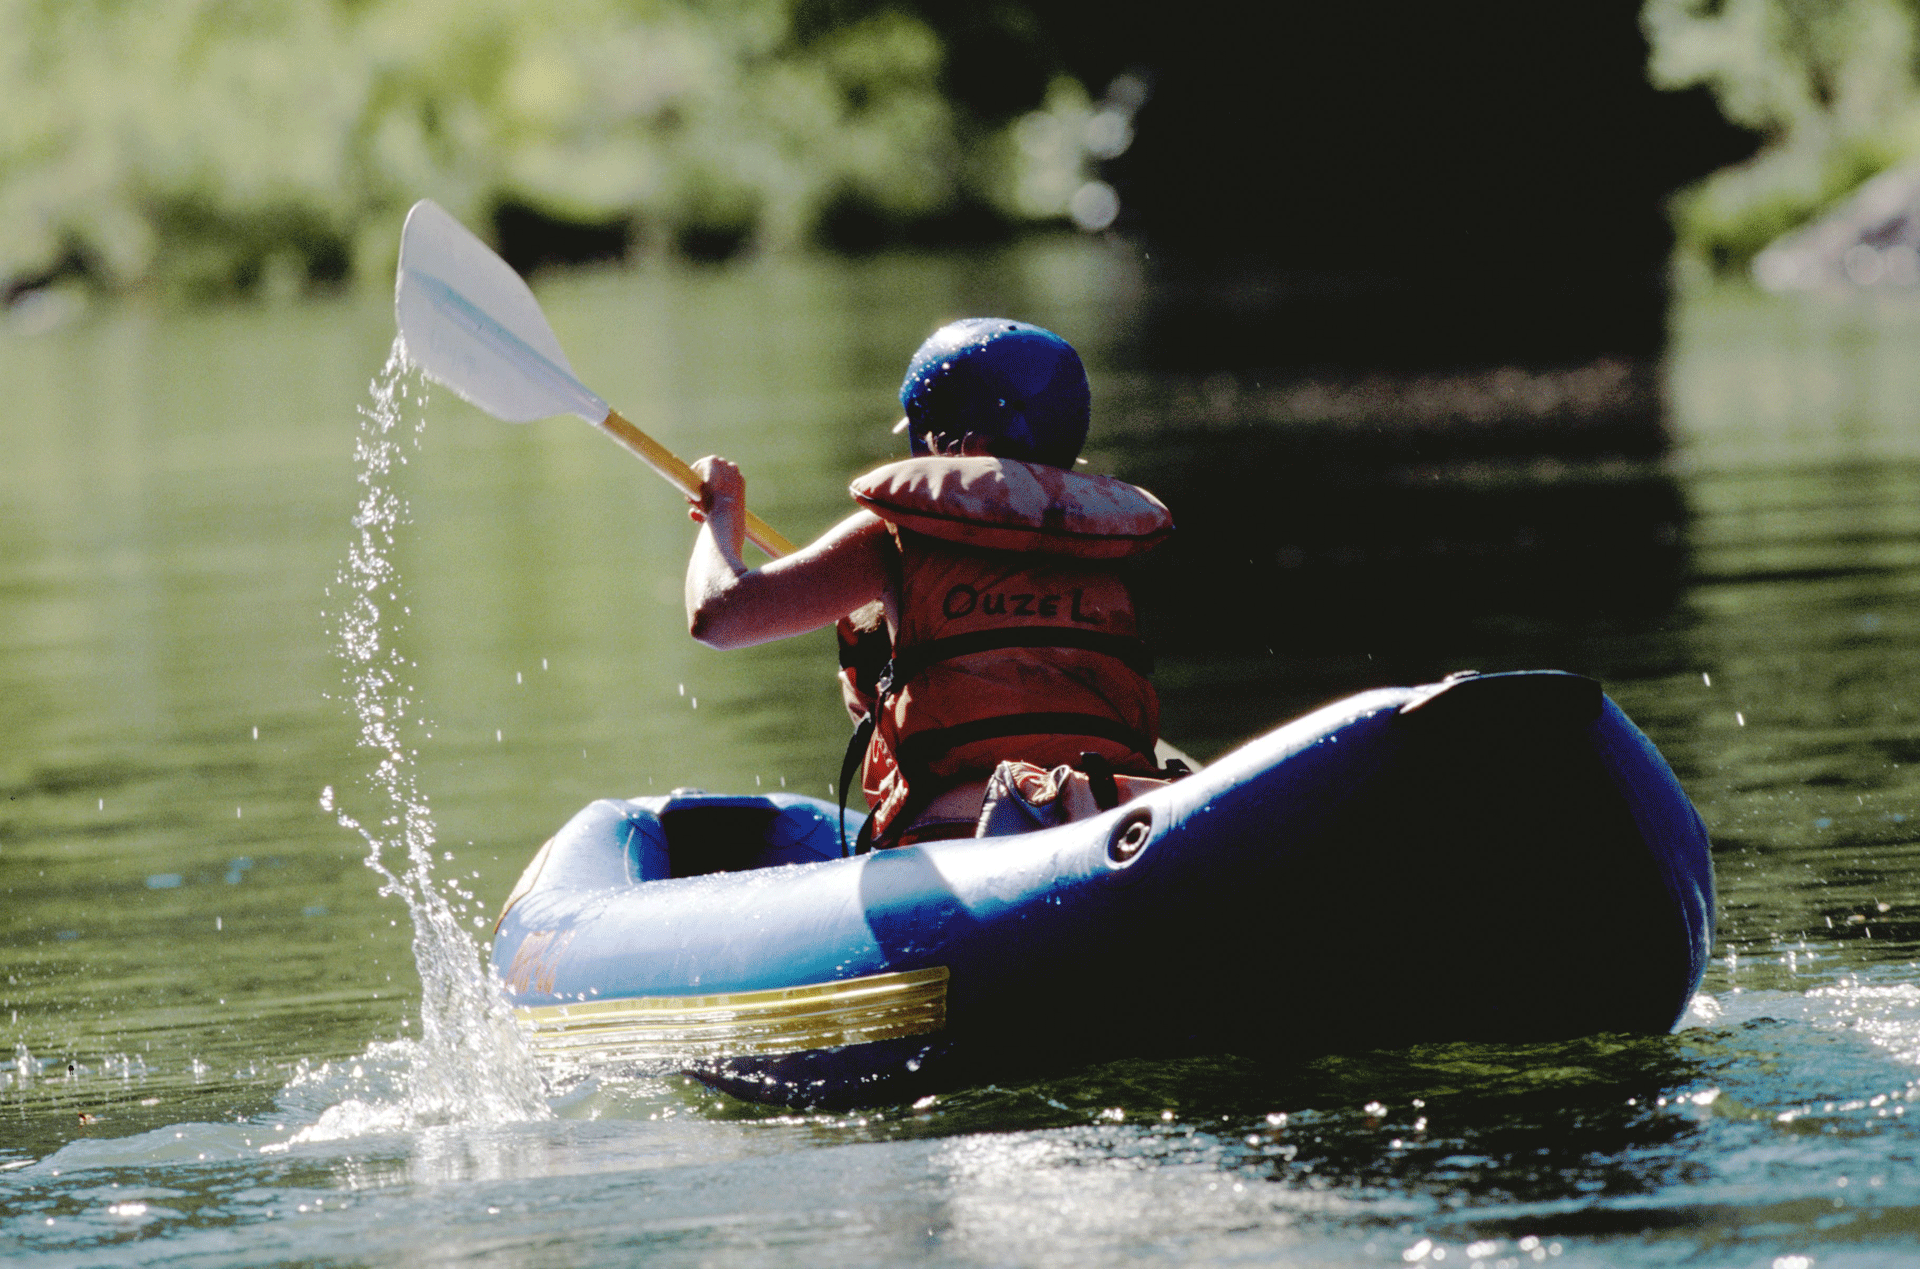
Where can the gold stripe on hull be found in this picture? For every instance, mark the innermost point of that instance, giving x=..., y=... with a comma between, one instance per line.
x=745, y=1023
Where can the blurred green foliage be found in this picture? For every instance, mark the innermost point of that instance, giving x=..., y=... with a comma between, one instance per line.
x=1833, y=86
x=212, y=146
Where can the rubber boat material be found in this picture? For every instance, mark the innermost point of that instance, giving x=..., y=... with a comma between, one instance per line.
x=1498, y=857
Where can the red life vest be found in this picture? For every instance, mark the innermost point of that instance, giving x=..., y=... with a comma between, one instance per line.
x=1017, y=636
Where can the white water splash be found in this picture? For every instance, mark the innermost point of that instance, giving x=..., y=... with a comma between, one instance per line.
x=471, y=1064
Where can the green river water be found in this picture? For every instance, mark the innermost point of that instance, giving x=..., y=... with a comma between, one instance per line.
x=210, y=1022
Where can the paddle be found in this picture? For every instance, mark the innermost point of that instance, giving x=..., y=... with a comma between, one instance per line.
x=469, y=322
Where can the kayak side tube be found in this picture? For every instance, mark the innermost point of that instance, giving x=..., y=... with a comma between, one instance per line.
x=1497, y=857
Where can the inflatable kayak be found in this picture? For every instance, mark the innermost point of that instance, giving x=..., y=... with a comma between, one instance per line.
x=1497, y=857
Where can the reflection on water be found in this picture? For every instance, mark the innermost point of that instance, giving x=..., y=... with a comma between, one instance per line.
x=197, y=965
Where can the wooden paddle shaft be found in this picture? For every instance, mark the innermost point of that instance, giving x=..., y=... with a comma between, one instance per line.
x=683, y=478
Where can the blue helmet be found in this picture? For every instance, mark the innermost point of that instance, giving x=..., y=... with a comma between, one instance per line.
x=1019, y=390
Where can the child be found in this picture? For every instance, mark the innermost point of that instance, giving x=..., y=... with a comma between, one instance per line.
x=981, y=613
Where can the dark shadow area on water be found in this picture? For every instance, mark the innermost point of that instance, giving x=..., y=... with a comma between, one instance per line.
x=1341, y=533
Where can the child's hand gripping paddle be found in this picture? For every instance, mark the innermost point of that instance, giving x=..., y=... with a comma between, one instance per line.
x=470, y=322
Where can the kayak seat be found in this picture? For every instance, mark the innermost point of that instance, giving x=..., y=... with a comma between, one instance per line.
x=695, y=834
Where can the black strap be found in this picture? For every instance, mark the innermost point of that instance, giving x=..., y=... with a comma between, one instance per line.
x=918, y=751
x=863, y=843
x=910, y=661
x=849, y=768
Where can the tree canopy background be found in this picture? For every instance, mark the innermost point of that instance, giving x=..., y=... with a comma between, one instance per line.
x=210, y=145
x=1832, y=88
x=1397, y=181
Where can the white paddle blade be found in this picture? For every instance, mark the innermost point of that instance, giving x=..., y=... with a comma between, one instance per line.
x=469, y=321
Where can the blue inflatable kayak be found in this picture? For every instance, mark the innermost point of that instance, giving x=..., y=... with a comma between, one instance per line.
x=1497, y=857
